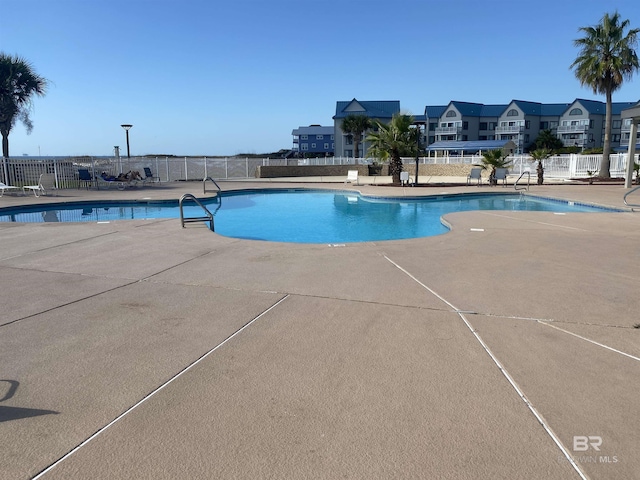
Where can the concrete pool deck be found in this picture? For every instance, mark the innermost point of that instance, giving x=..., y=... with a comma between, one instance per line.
x=163, y=352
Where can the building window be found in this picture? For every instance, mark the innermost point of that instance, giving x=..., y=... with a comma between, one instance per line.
x=616, y=124
x=348, y=140
x=544, y=125
x=319, y=137
x=433, y=126
x=492, y=125
x=332, y=137
x=326, y=146
x=304, y=147
x=553, y=124
x=333, y=146
x=527, y=124
x=482, y=137
x=575, y=111
x=465, y=125
x=616, y=138
x=313, y=145
x=483, y=125
x=451, y=113
x=304, y=137
x=512, y=113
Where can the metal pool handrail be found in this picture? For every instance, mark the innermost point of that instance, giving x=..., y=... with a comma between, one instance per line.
x=207, y=218
x=625, y=198
x=204, y=185
x=526, y=172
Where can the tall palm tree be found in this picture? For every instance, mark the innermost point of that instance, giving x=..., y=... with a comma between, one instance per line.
x=607, y=58
x=393, y=141
x=538, y=155
x=18, y=84
x=356, y=125
x=494, y=159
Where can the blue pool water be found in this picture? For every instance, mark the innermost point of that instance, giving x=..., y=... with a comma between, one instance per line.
x=305, y=216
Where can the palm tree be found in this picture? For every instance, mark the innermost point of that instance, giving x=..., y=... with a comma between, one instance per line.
x=393, y=141
x=494, y=159
x=356, y=125
x=547, y=140
x=607, y=58
x=539, y=155
x=18, y=83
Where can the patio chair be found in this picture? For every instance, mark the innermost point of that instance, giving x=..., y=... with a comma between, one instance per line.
x=404, y=178
x=84, y=178
x=475, y=174
x=501, y=174
x=150, y=177
x=45, y=185
x=352, y=177
x=4, y=187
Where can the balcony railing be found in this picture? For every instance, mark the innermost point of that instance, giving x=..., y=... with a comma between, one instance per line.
x=510, y=129
x=572, y=128
x=448, y=130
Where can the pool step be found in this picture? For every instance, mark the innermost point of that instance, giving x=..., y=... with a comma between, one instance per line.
x=183, y=220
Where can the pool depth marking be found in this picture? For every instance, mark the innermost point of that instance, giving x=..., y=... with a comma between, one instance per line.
x=502, y=369
x=161, y=387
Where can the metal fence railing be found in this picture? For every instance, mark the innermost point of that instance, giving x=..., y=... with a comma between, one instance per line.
x=20, y=171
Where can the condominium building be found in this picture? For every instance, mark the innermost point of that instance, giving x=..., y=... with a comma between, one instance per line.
x=381, y=111
x=577, y=124
x=313, y=140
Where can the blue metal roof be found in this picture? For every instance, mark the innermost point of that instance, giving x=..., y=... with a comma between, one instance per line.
x=492, y=110
x=434, y=111
x=469, y=146
x=468, y=109
x=372, y=109
x=626, y=148
x=529, y=108
x=553, y=109
x=618, y=107
x=313, y=130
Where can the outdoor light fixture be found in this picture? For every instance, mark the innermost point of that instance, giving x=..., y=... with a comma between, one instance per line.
x=126, y=129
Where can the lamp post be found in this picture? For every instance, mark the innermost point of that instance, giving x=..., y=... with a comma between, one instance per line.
x=126, y=129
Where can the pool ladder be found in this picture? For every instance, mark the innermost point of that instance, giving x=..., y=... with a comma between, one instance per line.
x=208, y=215
x=528, y=174
x=632, y=205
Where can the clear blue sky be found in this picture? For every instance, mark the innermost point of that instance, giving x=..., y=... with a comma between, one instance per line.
x=221, y=77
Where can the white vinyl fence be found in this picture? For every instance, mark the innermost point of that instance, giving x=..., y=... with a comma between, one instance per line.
x=19, y=171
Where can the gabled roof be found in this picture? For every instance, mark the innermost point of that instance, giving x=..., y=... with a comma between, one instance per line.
x=592, y=106
x=528, y=108
x=467, y=109
x=434, y=111
x=372, y=109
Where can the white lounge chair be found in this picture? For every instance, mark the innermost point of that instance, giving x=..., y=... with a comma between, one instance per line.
x=352, y=177
x=45, y=185
x=4, y=187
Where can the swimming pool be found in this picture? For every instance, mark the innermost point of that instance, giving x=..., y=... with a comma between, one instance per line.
x=304, y=216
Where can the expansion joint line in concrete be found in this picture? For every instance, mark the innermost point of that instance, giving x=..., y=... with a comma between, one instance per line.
x=633, y=357
x=502, y=369
x=158, y=389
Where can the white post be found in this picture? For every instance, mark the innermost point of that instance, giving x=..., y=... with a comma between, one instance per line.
x=205, y=168
x=186, y=173
x=632, y=152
